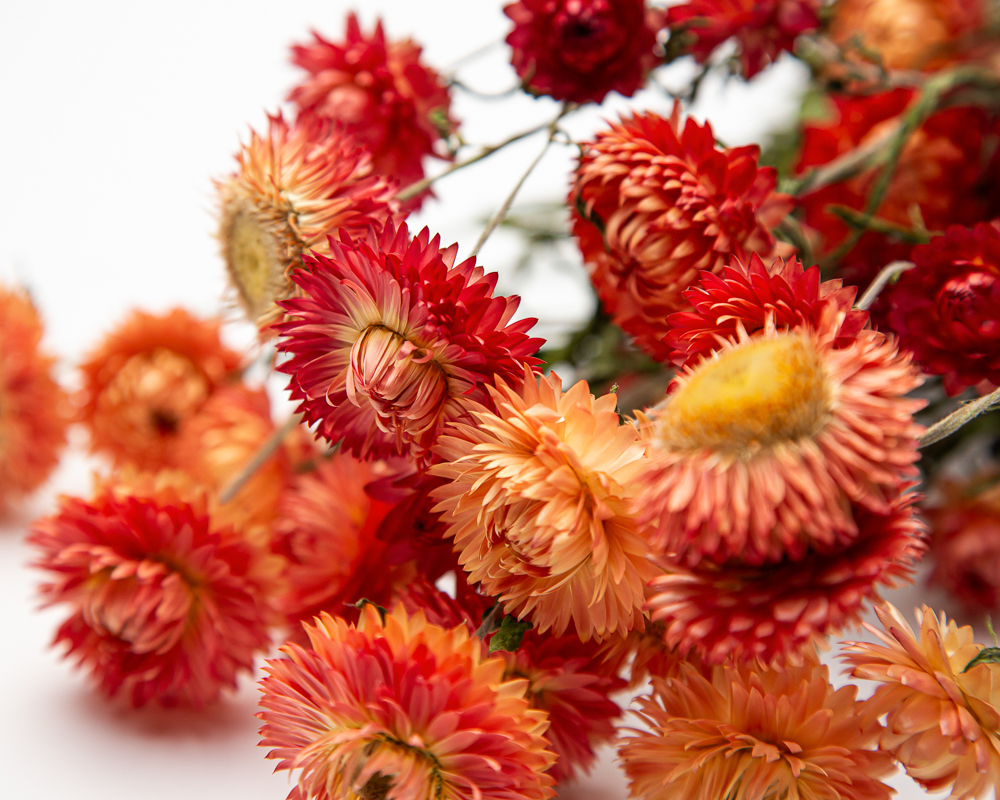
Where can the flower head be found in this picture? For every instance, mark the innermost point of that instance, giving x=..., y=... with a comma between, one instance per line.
x=390, y=340
x=656, y=202
x=163, y=608
x=579, y=50
x=749, y=733
x=146, y=380
x=401, y=709
x=947, y=309
x=943, y=722
x=294, y=188
x=381, y=92
x=762, y=30
x=768, y=441
x=776, y=613
x=537, y=501
x=33, y=407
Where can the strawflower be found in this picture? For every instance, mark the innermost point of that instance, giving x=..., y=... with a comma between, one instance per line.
x=163, y=608
x=655, y=202
x=147, y=378
x=294, y=187
x=391, y=339
x=768, y=439
x=943, y=712
x=537, y=501
x=33, y=406
x=401, y=709
x=749, y=733
x=579, y=50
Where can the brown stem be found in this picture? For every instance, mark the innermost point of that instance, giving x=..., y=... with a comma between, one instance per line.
x=955, y=420
x=885, y=275
x=259, y=458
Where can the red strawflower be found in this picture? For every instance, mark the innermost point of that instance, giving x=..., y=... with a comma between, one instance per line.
x=579, y=50
x=772, y=434
x=654, y=203
x=947, y=309
x=762, y=30
x=381, y=92
x=944, y=174
x=776, y=613
x=391, y=340
x=33, y=408
x=163, y=606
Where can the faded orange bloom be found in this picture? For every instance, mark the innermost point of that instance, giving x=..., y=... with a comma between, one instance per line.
x=146, y=379
x=401, y=709
x=163, y=607
x=538, y=502
x=749, y=733
x=943, y=717
x=33, y=407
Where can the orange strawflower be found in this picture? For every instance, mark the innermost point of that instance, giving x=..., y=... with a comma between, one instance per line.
x=538, y=502
x=401, y=709
x=784, y=416
x=33, y=407
x=163, y=606
x=294, y=187
x=146, y=380
x=749, y=733
x=943, y=716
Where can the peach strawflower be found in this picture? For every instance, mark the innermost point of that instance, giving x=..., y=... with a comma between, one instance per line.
x=147, y=378
x=390, y=339
x=382, y=93
x=654, y=202
x=163, y=606
x=33, y=407
x=401, y=709
x=774, y=613
x=294, y=187
x=749, y=733
x=538, y=503
x=943, y=717
x=768, y=439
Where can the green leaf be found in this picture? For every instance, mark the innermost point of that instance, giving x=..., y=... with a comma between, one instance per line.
x=988, y=655
x=510, y=635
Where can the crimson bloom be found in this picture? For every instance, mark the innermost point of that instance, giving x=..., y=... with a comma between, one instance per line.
x=163, y=607
x=947, y=309
x=654, y=203
x=579, y=50
x=762, y=30
x=391, y=339
x=383, y=94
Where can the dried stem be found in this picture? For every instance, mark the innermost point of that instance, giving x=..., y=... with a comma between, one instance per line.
x=885, y=275
x=963, y=415
x=865, y=222
x=846, y=166
x=259, y=458
x=491, y=622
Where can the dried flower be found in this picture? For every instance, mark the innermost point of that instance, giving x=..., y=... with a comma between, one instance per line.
x=33, y=407
x=147, y=378
x=655, y=203
x=163, y=608
x=579, y=50
x=777, y=613
x=391, y=340
x=943, y=717
x=749, y=733
x=382, y=93
x=538, y=504
x=762, y=30
x=401, y=709
x=767, y=442
x=294, y=188
x=947, y=309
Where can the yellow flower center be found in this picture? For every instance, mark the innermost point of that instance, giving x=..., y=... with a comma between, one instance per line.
x=253, y=261
x=758, y=393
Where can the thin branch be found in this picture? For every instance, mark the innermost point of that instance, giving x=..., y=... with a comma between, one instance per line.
x=856, y=219
x=885, y=275
x=259, y=458
x=965, y=414
x=491, y=622
x=843, y=167
x=471, y=56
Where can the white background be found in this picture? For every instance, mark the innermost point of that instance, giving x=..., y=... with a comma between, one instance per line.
x=115, y=117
